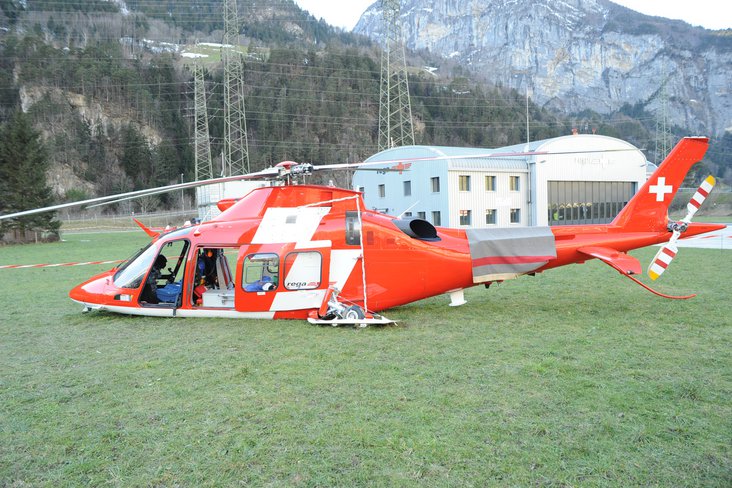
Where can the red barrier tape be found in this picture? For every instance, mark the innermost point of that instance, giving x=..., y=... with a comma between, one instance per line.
x=22, y=266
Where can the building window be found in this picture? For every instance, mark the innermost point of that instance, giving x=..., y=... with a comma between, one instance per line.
x=490, y=216
x=515, y=182
x=464, y=182
x=465, y=217
x=435, y=180
x=382, y=191
x=422, y=215
x=407, y=188
x=515, y=215
x=436, y=218
x=584, y=202
x=490, y=183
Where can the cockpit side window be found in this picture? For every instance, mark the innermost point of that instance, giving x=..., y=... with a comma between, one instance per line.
x=164, y=274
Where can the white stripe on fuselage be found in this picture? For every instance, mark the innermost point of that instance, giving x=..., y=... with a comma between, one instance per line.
x=289, y=224
x=342, y=262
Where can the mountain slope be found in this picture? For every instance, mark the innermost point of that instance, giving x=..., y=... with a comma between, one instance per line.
x=578, y=54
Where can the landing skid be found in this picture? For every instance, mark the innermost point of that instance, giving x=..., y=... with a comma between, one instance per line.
x=361, y=323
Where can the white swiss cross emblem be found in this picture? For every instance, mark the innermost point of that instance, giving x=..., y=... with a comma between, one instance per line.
x=660, y=189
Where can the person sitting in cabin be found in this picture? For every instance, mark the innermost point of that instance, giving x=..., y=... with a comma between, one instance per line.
x=207, y=267
x=150, y=291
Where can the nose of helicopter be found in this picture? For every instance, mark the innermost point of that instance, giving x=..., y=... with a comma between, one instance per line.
x=91, y=292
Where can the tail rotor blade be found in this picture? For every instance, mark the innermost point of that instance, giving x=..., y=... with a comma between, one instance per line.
x=667, y=253
x=701, y=194
x=663, y=258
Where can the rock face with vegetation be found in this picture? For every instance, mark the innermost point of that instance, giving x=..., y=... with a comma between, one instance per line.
x=576, y=55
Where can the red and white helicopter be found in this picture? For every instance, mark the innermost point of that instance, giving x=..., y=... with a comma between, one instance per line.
x=314, y=252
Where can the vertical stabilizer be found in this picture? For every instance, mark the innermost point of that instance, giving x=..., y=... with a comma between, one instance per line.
x=648, y=209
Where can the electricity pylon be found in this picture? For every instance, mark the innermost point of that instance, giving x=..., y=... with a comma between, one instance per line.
x=236, y=146
x=204, y=167
x=202, y=142
x=395, y=108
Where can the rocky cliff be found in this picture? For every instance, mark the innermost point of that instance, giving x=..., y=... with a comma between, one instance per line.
x=574, y=55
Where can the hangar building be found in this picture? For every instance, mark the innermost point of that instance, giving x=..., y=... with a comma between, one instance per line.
x=577, y=179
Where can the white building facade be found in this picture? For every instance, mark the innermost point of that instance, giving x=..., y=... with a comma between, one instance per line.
x=578, y=179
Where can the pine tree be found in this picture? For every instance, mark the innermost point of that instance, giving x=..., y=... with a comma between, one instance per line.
x=23, y=165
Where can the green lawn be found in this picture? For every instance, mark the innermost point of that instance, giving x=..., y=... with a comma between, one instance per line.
x=575, y=377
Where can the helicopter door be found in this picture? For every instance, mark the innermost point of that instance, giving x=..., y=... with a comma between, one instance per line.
x=258, y=279
x=287, y=280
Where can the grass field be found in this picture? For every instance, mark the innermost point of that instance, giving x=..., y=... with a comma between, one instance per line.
x=573, y=378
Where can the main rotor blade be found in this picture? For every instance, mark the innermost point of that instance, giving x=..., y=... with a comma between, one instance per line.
x=270, y=172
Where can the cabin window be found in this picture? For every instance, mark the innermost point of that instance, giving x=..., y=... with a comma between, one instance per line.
x=261, y=272
x=407, y=188
x=353, y=229
x=382, y=191
x=303, y=270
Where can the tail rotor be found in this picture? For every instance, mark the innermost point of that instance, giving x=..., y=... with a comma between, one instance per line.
x=668, y=252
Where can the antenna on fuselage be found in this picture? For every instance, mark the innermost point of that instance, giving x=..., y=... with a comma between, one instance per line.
x=408, y=209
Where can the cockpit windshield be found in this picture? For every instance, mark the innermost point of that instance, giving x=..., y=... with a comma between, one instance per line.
x=131, y=274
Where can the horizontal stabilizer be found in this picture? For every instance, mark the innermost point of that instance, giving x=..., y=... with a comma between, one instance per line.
x=624, y=263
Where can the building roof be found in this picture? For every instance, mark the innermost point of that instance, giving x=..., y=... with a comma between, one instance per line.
x=502, y=161
x=452, y=156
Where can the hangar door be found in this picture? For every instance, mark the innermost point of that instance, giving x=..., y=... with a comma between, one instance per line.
x=587, y=202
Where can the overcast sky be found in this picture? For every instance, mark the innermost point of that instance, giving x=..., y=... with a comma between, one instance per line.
x=712, y=14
